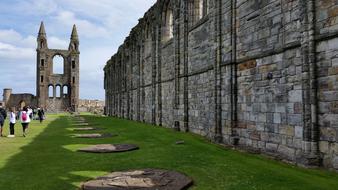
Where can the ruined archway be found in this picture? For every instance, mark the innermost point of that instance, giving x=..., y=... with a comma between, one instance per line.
x=65, y=91
x=58, y=92
x=22, y=104
x=58, y=64
x=51, y=91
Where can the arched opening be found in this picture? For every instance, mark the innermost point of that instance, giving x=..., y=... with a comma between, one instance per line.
x=197, y=10
x=58, y=91
x=51, y=91
x=65, y=91
x=168, y=29
x=22, y=104
x=42, y=43
x=58, y=64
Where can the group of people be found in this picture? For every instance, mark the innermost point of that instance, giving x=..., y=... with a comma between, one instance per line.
x=25, y=116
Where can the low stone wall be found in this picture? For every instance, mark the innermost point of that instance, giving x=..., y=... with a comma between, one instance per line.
x=93, y=106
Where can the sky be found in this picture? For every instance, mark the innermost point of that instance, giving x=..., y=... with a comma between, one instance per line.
x=102, y=26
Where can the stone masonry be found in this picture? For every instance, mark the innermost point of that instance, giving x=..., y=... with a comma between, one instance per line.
x=54, y=92
x=93, y=106
x=67, y=83
x=260, y=74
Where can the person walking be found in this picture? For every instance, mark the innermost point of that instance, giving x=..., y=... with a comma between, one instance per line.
x=12, y=121
x=30, y=112
x=40, y=114
x=3, y=116
x=25, y=120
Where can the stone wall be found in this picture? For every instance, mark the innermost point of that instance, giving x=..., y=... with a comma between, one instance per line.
x=255, y=74
x=58, y=92
x=93, y=106
x=18, y=101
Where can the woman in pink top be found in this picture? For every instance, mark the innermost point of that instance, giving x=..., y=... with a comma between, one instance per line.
x=25, y=120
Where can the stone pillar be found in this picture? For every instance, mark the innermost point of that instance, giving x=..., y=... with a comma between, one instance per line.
x=111, y=96
x=142, y=88
x=132, y=61
x=114, y=87
x=159, y=68
x=139, y=82
x=120, y=79
x=124, y=84
x=217, y=70
x=177, y=39
x=153, y=77
x=185, y=68
x=128, y=82
x=309, y=84
x=233, y=72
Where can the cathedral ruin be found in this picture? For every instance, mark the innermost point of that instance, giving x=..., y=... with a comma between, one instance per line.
x=55, y=92
x=255, y=74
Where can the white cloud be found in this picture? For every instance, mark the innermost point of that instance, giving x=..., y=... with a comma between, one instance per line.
x=13, y=37
x=86, y=28
x=56, y=43
x=8, y=51
x=14, y=46
x=37, y=7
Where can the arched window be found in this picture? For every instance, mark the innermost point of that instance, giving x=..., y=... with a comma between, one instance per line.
x=73, y=64
x=42, y=44
x=168, y=29
x=22, y=104
x=65, y=91
x=197, y=10
x=51, y=91
x=58, y=91
x=58, y=64
x=148, y=41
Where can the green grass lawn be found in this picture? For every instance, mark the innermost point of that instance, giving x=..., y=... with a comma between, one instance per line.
x=47, y=159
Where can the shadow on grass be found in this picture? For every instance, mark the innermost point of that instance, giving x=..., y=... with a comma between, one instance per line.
x=45, y=163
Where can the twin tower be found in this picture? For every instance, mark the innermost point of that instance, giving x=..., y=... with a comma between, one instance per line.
x=57, y=91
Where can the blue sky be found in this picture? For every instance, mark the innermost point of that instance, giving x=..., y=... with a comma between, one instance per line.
x=102, y=26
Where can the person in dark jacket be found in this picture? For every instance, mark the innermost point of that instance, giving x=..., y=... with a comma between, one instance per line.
x=3, y=116
x=41, y=114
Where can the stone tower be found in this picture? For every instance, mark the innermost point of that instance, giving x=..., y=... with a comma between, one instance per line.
x=6, y=96
x=57, y=91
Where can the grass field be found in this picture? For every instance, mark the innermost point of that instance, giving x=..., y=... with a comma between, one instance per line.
x=47, y=159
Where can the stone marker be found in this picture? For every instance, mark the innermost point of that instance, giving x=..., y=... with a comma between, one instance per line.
x=80, y=124
x=86, y=129
x=109, y=148
x=93, y=136
x=179, y=142
x=79, y=121
x=151, y=179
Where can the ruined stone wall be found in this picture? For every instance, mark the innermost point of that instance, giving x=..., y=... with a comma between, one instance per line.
x=18, y=101
x=93, y=106
x=57, y=92
x=256, y=74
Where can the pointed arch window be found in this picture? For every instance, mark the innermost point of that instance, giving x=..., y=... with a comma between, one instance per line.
x=51, y=91
x=58, y=64
x=168, y=29
x=42, y=44
x=198, y=9
x=65, y=91
x=58, y=91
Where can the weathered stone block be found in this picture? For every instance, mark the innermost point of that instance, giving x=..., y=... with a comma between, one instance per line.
x=288, y=153
x=298, y=131
x=271, y=147
x=324, y=147
x=247, y=65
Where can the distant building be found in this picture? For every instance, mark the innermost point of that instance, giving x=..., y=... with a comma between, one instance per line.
x=55, y=92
